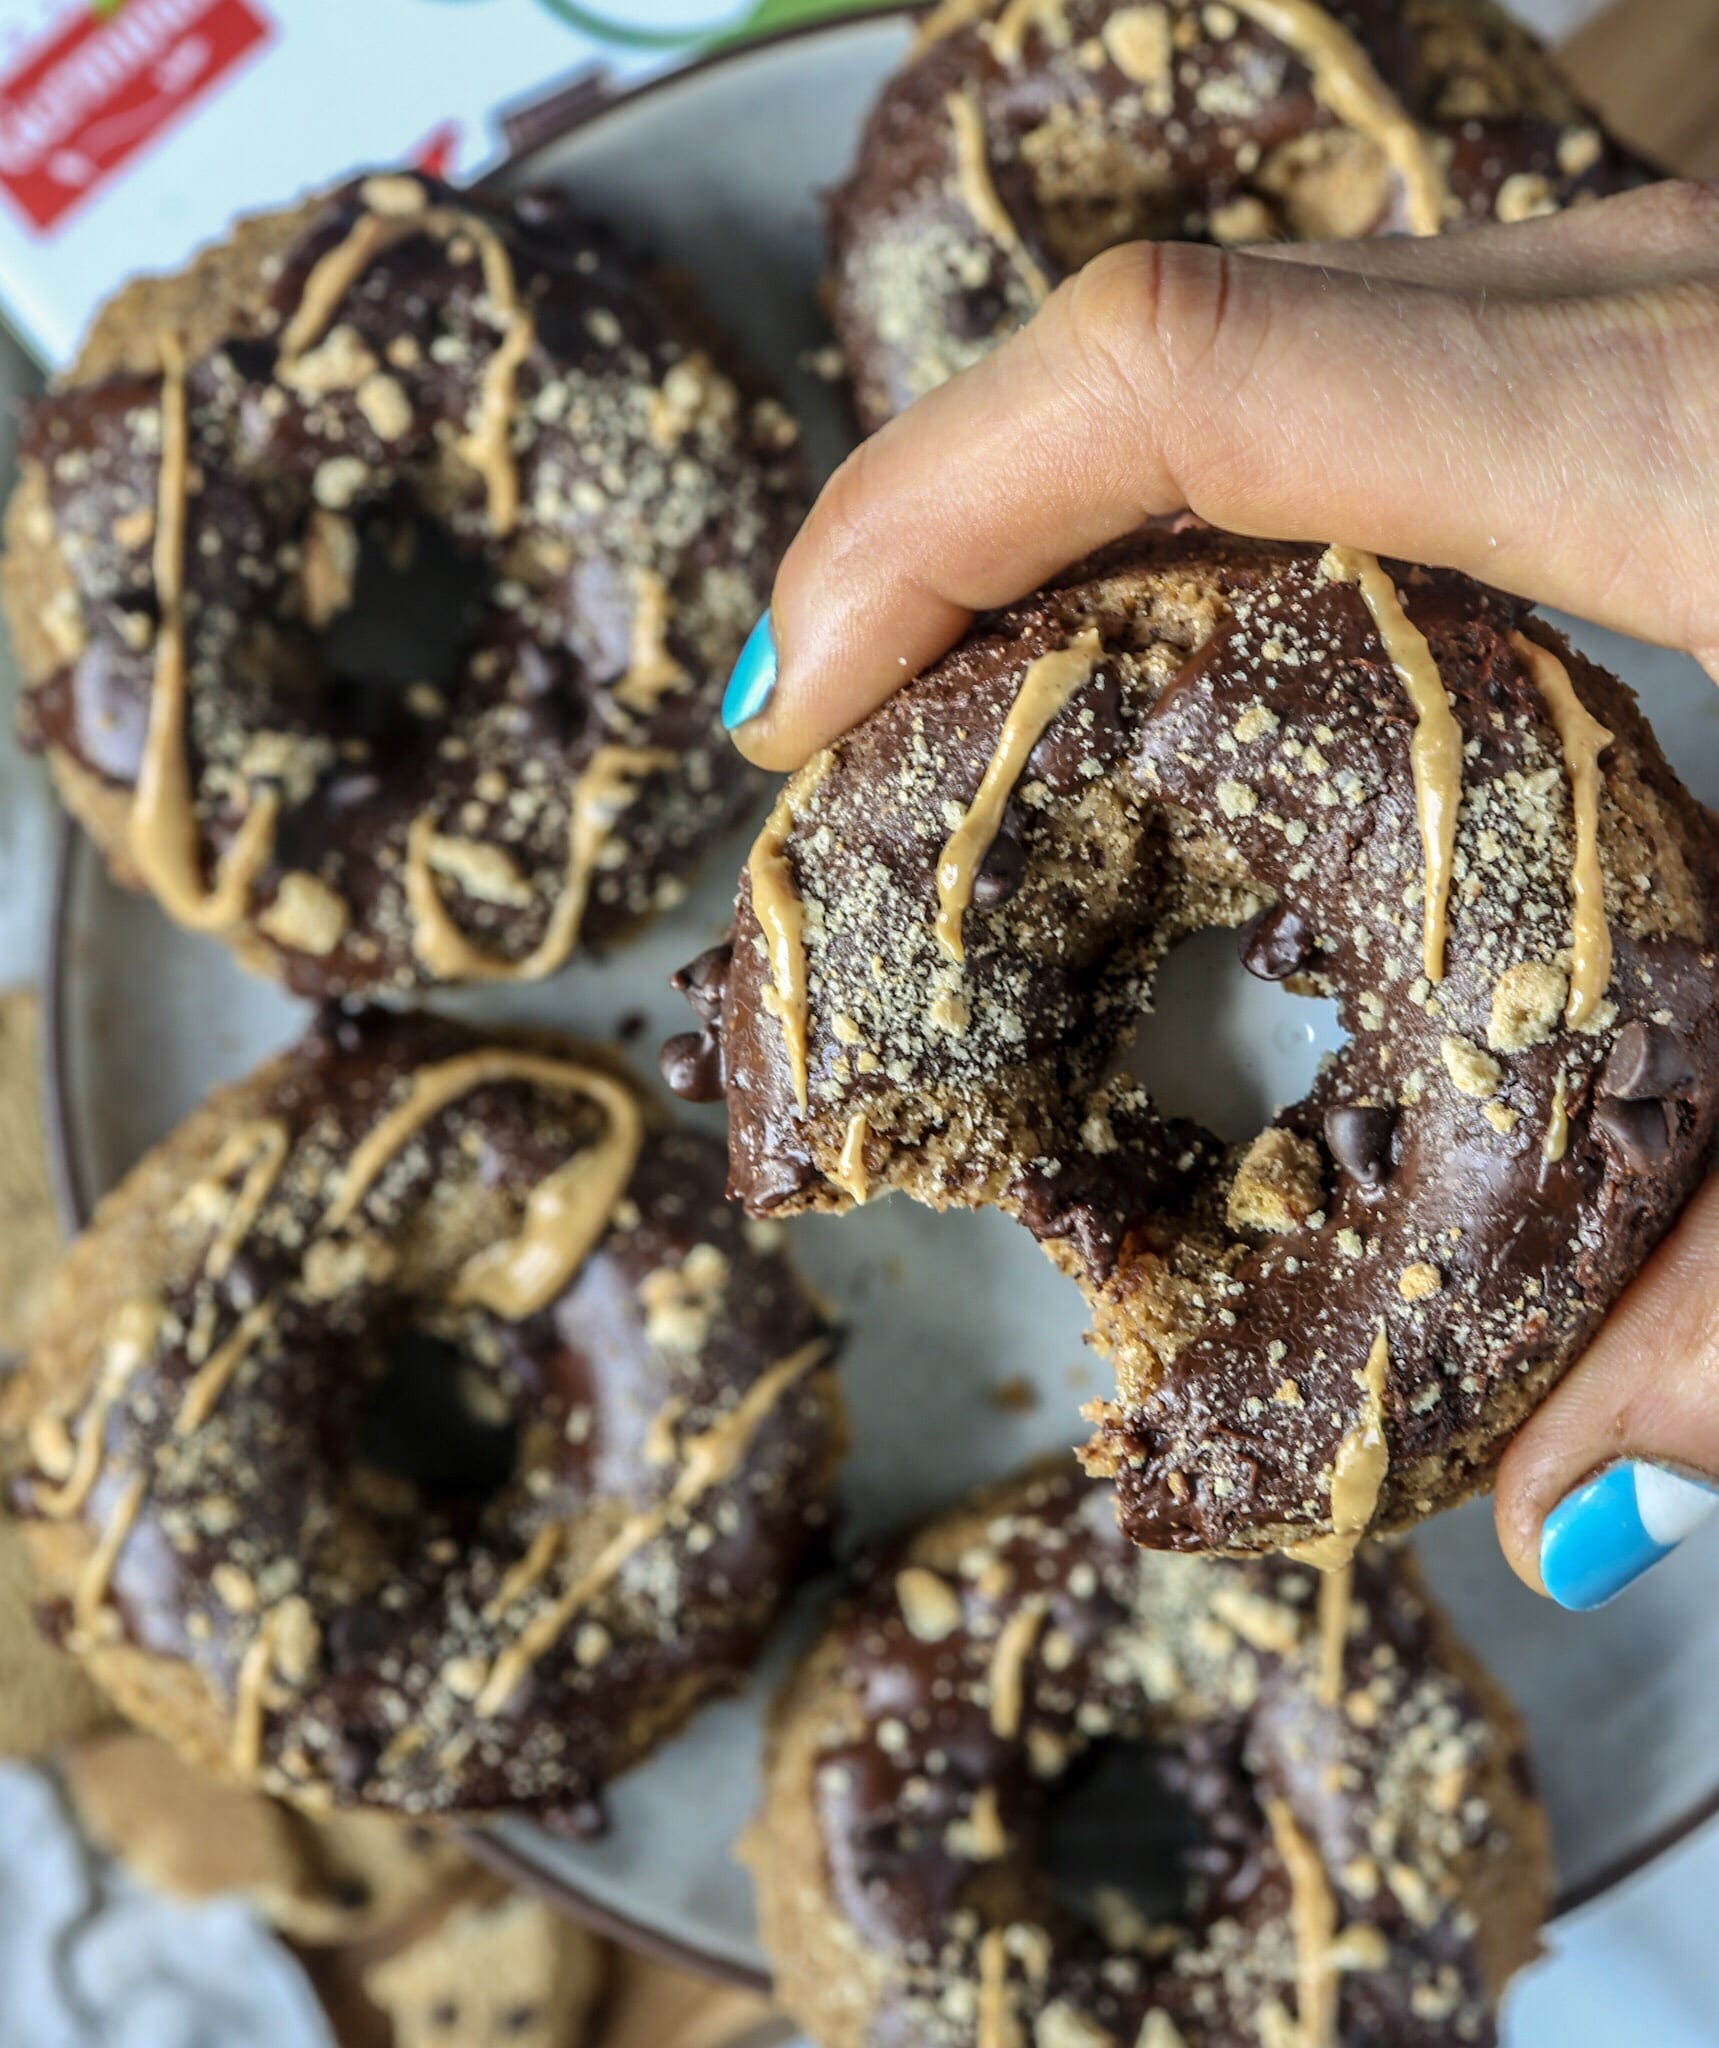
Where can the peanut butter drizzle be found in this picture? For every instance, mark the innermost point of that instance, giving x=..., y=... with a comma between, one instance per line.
x=1345, y=82
x=997, y=2025
x=652, y=671
x=1008, y=38
x=487, y=446
x=946, y=19
x=850, y=1168
x=610, y=782
x=1009, y=1666
x=163, y=832
x=1357, y=1472
x=1583, y=740
x=131, y=1337
x=256, y=1667
x=978, y=194
x=92, y=1587
x=522, y=1576
x=707, y=1461
x=1336, y=1598
x=1557, y=1139
x=565, y=1214
x=1046, y=688
x=260, y=1148
x=203, y=1394
x=1313, y=1912
x=782, y=916
x=1437, y=748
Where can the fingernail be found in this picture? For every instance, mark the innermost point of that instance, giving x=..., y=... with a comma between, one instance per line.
x=1614, y=1528
x=754, y=676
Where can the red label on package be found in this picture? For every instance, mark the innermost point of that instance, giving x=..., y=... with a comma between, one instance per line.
x=76, y=107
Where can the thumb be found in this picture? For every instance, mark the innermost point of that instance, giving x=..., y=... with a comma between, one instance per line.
x=1622, y=1463
x=1433, y=420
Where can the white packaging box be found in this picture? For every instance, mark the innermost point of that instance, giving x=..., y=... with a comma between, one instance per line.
x=133, y=131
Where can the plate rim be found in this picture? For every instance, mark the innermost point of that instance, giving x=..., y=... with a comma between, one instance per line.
x=75, y=1207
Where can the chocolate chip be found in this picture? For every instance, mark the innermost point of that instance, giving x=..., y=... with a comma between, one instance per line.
x=1649, y=1063
x=1359, y=1139
x=1276, y=944
x=691, y=1064
x=703, y=982
x=1641, y=1133
x=1082, y=739
x=1001, y=872
x=765, y=1181
x=1055, y=1210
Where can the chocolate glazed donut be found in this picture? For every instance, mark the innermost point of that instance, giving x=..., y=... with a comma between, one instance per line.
x=1408, y=794
x=1024, y=136
x=625, y=1430
x=389, y=365
x=1368, y=1866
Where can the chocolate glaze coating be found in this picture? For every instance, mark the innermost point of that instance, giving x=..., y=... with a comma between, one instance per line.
x=1254, y=750
x=388, y=1549
x=1106, y=122
x=920, y=1753
x=654, y=497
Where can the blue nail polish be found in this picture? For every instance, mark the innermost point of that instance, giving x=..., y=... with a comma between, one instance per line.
x=1612, y=1529
x=754, y=676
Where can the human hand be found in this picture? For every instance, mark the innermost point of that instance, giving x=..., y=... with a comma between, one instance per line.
x=1536, y=405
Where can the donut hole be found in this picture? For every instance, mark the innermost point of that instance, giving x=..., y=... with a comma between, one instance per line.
x=1123, y=1837
x=1224, y=1046
x=432, y=1421
x=407, y=600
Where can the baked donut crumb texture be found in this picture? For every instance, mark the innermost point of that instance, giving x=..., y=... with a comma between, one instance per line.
x=1023, y=137
x=1367, y=1862
x=1404, y=793
x=417, y=1430
x=201, y=503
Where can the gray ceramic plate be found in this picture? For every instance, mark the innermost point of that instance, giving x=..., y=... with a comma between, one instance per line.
x=722, y=169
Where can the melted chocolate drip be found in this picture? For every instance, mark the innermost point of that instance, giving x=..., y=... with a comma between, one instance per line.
x=1001, y=873
x=1643, y=1133
x=1360, y=1141
x=1649, y=1063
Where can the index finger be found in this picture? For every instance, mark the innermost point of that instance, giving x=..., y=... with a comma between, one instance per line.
x=1289, y=399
